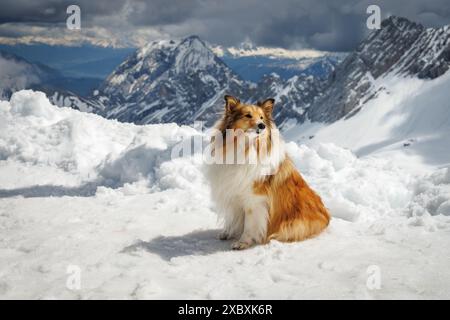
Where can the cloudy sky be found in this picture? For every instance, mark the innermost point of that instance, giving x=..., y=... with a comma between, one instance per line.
x=292, y=24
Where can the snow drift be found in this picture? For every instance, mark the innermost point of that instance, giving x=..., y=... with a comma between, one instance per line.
x=81, y=146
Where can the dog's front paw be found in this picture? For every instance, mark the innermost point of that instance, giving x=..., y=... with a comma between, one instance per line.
x=240, y=245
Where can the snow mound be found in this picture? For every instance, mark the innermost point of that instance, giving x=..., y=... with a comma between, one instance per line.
x=34, y=104
x=432, y=195
x=352, y=188
x=81, y=145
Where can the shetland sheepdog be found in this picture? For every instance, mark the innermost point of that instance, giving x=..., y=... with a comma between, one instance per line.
x=256, y=188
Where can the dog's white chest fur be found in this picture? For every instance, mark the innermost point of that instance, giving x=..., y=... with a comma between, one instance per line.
x=232, y=182
x=232, y=192
x=245, y=213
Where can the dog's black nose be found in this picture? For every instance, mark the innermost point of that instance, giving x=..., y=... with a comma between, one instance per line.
x=261, y=126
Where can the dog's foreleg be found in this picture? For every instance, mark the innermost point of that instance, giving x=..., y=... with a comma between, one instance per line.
x=234, y=224
x=255, y=224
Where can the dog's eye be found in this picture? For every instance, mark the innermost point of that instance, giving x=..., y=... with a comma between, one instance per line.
x=248, y=115
x=261, y=118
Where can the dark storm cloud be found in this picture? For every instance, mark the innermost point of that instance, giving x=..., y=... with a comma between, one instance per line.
x=51, y=11
x=320, y=24
x=161, y=12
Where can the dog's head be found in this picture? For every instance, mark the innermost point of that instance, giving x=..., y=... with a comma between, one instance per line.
x=250, y=118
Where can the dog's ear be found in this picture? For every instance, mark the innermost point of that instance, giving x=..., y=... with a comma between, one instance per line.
x=230, y=103
x=267, y=105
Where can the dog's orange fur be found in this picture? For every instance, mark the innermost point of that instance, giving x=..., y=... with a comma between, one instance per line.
x=296, y=212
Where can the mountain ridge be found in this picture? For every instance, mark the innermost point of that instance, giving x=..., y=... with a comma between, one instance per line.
x=401, y=47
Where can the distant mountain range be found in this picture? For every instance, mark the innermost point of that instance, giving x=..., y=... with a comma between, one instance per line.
x=17, y=74
x=184, y=80
x=80, y=69
x=85, y=61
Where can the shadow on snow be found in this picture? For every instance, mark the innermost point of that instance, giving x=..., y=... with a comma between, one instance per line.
x=197, y=243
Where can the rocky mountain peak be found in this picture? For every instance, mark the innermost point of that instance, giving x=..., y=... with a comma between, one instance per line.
x=168, y=81
x=193, y=54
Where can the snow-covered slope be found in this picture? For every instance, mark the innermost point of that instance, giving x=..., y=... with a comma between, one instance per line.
x=80, y=193
x=169, y=81
x=409, y=113
x=401, y=48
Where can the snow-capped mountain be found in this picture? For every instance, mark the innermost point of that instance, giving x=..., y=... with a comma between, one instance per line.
x=400, y=48
x=169, y=81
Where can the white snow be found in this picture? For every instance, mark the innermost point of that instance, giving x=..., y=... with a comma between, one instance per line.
x=108, y=198
x=408, y=115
